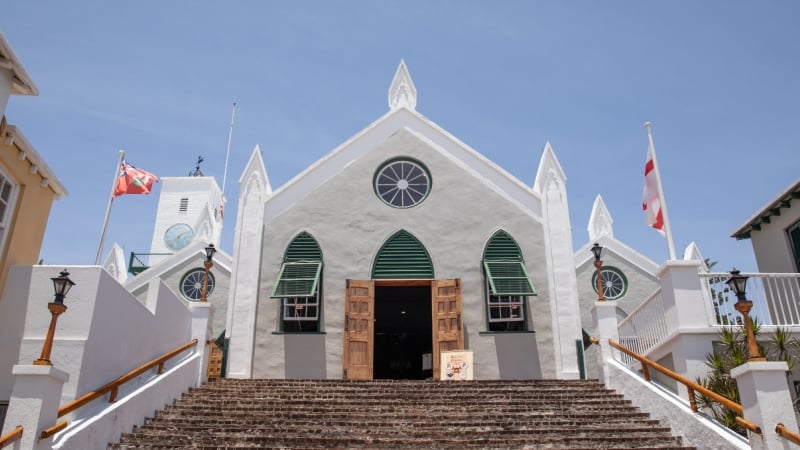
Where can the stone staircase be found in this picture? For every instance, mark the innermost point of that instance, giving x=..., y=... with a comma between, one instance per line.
x=403, y=414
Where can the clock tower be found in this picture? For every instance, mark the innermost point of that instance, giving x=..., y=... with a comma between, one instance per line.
x=190, y=209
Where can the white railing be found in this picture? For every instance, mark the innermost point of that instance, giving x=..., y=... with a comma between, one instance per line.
x=644, y=327
x=775, y=297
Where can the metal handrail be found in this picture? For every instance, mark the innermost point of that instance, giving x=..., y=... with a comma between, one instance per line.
x=13, y=435
x=787, y=433
x=113, y=387
x=691, y=386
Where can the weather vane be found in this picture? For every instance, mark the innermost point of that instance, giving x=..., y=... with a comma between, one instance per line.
x=197, y=172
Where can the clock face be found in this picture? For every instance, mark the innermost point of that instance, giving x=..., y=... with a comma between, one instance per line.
x=178, y=236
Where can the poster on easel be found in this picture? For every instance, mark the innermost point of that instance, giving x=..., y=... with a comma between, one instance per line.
x=456, y=366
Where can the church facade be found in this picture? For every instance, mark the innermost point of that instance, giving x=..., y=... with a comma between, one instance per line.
x=401, y=244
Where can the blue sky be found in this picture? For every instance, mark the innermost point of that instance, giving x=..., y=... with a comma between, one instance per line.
x=719, y=80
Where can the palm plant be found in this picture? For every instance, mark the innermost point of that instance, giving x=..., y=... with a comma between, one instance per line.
x=730, y=352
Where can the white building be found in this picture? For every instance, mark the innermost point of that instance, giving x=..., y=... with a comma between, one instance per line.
x=402, y=242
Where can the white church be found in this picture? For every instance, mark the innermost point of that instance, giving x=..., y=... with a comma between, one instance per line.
x=400, y=244
x=398, y=249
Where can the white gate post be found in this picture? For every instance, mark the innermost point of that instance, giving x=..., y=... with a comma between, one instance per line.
x=766, y=400
x=35, y=399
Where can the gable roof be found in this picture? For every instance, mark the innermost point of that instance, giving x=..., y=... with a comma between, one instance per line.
x=21, y=82
x=601, y=232
x=398, y=118
x=773, y=208
x=222, y=262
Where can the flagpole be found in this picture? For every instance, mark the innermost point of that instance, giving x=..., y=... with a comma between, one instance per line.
x=667, y=227
x=108, y=208
x=228, y=152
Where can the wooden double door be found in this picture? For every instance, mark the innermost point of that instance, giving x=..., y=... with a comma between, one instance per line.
x=446, y=321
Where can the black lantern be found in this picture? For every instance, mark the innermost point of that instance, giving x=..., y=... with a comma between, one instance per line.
x=597, y=250
x=210, y=250
x=61, y=285
x=738, y=283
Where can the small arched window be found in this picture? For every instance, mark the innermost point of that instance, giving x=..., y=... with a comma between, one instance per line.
x=299, y=285
x=507, y=284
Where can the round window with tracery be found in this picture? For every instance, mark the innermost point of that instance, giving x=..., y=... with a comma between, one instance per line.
x=615, y=284
x=192, y=284
x=402, y=183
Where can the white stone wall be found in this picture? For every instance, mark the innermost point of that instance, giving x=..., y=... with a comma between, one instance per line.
x=104, y=333
x=454, y=223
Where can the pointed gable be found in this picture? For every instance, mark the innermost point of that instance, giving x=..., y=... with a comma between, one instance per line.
x=402, y=93
x=600, y=221
x=549, y=171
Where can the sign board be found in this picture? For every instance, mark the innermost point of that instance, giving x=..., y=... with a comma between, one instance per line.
x=456, y=366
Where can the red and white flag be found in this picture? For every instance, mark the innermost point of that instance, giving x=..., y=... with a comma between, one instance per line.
x=133, y=181
x=651, y=200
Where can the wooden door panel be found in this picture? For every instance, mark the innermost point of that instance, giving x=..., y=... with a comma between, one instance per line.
x=359, y=314
x=448, y=329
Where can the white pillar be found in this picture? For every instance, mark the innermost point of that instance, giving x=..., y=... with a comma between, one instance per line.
x=35, y=399
x=766, y=400
x=604, y=317
x=685, y=312
x=202, y=314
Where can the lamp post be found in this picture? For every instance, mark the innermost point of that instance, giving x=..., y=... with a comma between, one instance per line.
x=210, y=250
x=597, y=251
x=738, y=283
x=61, y=284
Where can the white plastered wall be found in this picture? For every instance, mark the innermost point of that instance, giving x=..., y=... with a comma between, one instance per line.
x=454, y=223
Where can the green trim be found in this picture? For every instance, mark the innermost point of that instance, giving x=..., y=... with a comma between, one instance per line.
x=298, y=279
x=502, y=246
x=303, y=248
x=508, y=278
x=402, y=256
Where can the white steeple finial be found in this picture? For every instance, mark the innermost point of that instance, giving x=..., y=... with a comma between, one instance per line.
x=600, y=221
x=402, y=92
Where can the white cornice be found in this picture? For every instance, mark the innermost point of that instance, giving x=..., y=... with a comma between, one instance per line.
x=22, y=82
x=26, y=151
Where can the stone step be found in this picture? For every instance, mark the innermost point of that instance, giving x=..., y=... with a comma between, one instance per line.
x=447, y=441
x=336, y=414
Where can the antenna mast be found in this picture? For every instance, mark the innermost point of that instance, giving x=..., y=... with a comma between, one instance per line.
x=228, y=152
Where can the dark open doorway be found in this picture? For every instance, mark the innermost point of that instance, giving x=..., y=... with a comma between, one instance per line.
x=402, y=332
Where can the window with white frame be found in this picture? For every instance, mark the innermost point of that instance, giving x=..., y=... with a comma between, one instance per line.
x=299, y=284
x=8, y=192
x=506, y=313
x=507, y=284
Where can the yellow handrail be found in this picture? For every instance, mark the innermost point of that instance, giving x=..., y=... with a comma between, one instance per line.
x=787, y=433
x=691, y=386
x=113, y=386
x=13, y=435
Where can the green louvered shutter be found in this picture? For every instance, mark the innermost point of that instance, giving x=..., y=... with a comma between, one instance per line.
x=298, y=279
x=402, y=257
x=508, y=278
x=303, y=248
x=301, y=268
x=505, y=269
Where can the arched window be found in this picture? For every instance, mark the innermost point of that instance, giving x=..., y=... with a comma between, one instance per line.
x=402, y=256
x=507, y=284
x=298, y=285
